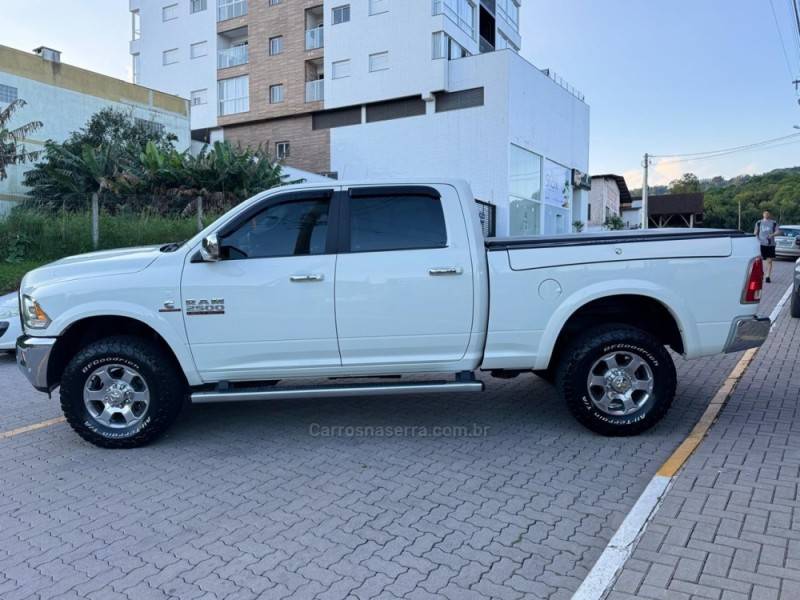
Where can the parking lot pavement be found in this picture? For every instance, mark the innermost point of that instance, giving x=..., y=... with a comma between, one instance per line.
x=303, y=499
x=729, y=528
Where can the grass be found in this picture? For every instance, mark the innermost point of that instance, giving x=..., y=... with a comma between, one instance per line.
x=12, y=273
x=29, y=239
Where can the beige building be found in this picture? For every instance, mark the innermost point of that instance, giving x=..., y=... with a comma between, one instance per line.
x=607, y=195
x=64, y=97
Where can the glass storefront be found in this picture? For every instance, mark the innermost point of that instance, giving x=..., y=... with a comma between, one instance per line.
x=540, y=195
x=525, y=192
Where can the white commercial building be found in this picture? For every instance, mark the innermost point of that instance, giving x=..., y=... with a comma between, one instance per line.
x=379, y=88
x=63, y=98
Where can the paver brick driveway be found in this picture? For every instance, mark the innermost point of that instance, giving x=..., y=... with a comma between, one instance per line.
x=271, y=500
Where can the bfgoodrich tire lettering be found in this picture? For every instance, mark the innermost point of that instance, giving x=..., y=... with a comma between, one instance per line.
x=126, y=358
x=589, y=350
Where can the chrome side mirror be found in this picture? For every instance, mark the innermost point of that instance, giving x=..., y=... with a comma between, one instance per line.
x=209, y=250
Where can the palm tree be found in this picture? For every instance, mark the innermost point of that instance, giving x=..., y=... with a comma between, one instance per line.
x=94, y=171
x=11, y=150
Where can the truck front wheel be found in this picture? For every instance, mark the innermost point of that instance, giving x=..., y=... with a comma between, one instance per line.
x=617, y=379
x=121, y=392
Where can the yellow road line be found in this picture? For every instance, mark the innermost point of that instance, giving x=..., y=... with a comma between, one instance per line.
x=692, y=441
x=36, y=426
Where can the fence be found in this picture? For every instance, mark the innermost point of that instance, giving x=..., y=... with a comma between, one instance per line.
x=487, y=212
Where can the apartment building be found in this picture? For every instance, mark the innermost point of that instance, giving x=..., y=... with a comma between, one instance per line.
x=609, y=192
x=377, y=88
x=64, y=97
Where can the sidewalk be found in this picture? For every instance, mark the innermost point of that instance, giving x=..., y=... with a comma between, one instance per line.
x=729, y=528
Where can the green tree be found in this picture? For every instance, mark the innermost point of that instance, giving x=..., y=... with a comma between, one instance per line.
x=12, y=152
x=687, y=184
x=614, y=223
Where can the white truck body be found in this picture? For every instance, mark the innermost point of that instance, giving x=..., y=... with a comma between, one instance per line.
x=342, y=310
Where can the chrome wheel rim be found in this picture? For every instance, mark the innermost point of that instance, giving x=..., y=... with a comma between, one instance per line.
x=620, y=383
x=116, y=396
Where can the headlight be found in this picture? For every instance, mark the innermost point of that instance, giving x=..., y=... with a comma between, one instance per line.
x=33, y=315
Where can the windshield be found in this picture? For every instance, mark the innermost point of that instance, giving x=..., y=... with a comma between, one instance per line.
x=790, y=231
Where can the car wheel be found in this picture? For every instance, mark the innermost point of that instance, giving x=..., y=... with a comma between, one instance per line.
x=795, y=307
x=617, y=380
x=121, y=392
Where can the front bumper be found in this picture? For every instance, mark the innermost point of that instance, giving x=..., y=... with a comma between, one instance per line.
x=747, y=332
x=33, y=358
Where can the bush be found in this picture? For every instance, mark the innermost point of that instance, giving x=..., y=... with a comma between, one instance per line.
x=30, y=238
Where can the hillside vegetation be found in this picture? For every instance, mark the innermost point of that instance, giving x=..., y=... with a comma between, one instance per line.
x=777, y=191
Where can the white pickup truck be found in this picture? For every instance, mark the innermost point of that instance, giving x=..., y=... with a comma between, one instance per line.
x=362, y=286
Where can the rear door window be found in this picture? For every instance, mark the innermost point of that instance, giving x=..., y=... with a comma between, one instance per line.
x=403, y=222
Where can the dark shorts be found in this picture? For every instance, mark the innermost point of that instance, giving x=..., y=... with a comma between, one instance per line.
x=767, y=251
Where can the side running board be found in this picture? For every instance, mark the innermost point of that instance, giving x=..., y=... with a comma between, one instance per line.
x=335, y=391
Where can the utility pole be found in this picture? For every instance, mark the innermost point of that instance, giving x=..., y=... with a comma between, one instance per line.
x=740, y=213
x=645, y=218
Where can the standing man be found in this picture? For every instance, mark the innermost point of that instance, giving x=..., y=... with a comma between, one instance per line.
x=766, y=230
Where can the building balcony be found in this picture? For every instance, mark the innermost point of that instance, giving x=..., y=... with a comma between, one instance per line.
x=315, y=90
x=231, y=9
x=232, y=57
x=314, y=38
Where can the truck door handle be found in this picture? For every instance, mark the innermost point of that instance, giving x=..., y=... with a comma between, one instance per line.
x=445, y=271
x=307, y=277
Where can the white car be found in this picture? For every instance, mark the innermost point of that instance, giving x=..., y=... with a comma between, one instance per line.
x=10, y=326
x=787, y=244
x=381, y=280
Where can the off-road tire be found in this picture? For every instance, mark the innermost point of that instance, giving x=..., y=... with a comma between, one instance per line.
x=578, y=358
x=168, y=390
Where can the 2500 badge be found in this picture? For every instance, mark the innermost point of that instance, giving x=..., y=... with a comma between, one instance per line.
x=214, y=306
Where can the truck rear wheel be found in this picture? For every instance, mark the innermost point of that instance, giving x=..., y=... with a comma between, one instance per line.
x=617, y=379
x=121, y=392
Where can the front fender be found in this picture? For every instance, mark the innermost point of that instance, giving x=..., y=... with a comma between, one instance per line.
x=676, y=306
x=168, y=325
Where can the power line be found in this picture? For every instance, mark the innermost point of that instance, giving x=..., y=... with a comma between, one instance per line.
x=732, y=149
x=796, y=17
x=783, y=42
x=724, y=154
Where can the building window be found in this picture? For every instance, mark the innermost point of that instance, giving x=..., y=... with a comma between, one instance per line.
x=377, y=7
x=199, y=49
x=169, y=13
x=525, y=192
x=234, y=95
x=509, y=10
x=379, y=61
x=275, y=45
x=199, y=97
x=282, y=150
x=198, y=6
x=274, y=2
x=231, y=9
x=136, y=25
x=341, y=68
x=446, y=47
x=276, y=94
x=341, y=14
x=137, y=68
x=151, y=127
x=504, y=43
x=8, y=94
x=460, y=12
x=170, y=57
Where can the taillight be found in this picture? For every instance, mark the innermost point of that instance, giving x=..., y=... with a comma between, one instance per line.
x=754, y=283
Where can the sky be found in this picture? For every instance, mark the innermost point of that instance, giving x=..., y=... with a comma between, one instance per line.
x=675, y=77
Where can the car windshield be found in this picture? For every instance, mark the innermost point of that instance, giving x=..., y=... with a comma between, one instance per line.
x=790, y=231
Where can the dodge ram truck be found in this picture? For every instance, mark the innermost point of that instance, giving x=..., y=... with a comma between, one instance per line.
x=358, y=288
